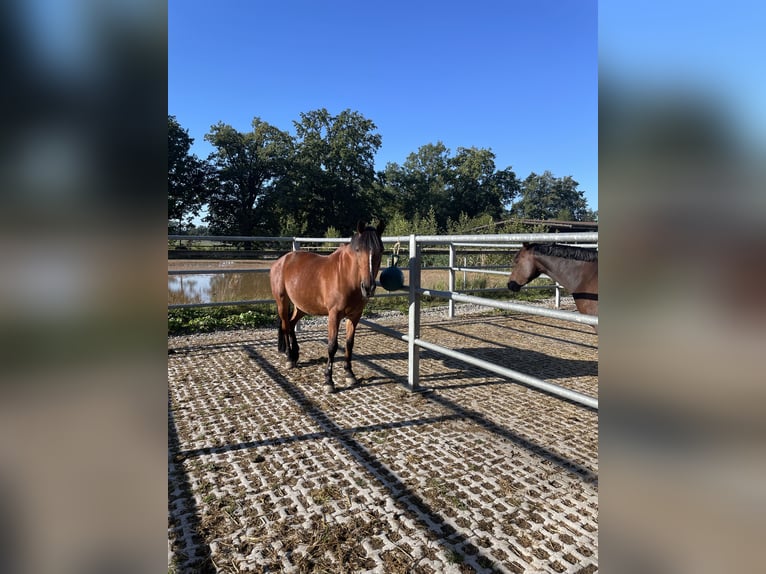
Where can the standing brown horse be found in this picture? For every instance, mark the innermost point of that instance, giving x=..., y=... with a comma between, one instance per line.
x=337, y=285
x=574, y=268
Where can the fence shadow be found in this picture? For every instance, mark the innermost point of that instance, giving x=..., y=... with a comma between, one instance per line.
x=536, y=363
x=192, y=553
x=503, y=326
x=193, y=550
x=419, y=509
x=585, y=473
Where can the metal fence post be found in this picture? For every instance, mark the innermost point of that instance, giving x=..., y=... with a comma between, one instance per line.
x=413, y=351
x=451, y=285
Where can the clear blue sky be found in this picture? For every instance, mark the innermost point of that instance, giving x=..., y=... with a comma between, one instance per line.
x=518, y=77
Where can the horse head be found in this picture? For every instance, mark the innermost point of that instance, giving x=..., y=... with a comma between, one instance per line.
x=525, y=268
x=367, y=248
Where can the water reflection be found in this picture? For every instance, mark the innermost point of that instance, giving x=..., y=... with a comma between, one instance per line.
x=208, y=287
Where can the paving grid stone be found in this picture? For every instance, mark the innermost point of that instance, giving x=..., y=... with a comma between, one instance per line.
x=268, y=473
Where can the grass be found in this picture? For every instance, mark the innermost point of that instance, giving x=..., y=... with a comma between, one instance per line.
x=208, y=319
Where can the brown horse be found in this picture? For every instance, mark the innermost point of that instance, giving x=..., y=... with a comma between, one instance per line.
x=574, y=268
x=337, y=285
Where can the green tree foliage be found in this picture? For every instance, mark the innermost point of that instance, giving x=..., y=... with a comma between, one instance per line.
x=465, y=224
x=332, y=233
x=267, y=182
x=433, y=181
x=477, y=188
x=548, y=197
x=419, y=185
x=187, y=176
x=250, y=171
x=333, y=172
x=520, y=226
x=399, y=224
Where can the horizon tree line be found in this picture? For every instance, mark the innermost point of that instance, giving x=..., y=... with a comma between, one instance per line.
x=323, y=179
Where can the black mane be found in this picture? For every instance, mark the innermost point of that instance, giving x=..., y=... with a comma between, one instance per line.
x=368, y=240
x=565, y=251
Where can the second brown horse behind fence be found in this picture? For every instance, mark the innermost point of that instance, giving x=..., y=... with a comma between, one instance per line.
x=574, y=268
x=337, y=285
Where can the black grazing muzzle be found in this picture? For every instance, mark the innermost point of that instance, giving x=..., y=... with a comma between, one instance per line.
x=513, y=286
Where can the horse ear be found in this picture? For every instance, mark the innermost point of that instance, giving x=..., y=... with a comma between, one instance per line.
x=381, y=228
x=360, y=226
x=525, y=244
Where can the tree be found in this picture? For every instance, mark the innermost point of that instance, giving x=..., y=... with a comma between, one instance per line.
x=547, y=197
x=419, y=186
x=431, y=181
x=476, y=188
x=250, y=170
x=334, y=171
x=187, y=176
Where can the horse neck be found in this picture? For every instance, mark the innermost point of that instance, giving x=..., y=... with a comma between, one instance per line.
x=566, y=272
x=344, y=258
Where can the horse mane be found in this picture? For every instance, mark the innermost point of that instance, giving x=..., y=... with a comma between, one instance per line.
x=565, y=251
x=368, y=240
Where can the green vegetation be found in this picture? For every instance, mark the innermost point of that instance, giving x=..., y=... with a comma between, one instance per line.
x=207, y=319
x=269, y=182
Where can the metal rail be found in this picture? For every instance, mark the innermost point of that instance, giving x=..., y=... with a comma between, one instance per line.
x=508, y=306
x=220, y=304
x=523, y=378
x=415, y=343
x=213, y=271
x=414, y=291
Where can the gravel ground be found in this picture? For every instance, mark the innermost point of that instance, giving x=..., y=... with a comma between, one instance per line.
x=268, y=473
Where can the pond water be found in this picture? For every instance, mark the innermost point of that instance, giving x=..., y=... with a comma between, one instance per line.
x=219, y=287
x=212, y=288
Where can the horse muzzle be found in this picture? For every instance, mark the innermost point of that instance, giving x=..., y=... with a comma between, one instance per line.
x=513, y=286
x=368, y=291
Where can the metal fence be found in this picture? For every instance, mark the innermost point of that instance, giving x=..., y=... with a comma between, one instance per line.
x=414, y=292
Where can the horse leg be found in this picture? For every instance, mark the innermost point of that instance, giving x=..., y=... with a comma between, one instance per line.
x=283, y=314
x=350, y=332
x=280, y=298
x=281, y=339
x=293, y=350
x=285, y=331
x=333, y=322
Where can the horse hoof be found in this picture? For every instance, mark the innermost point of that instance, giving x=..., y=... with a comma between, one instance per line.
x=329, y=388
x=290, y=364
x=351, y=380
